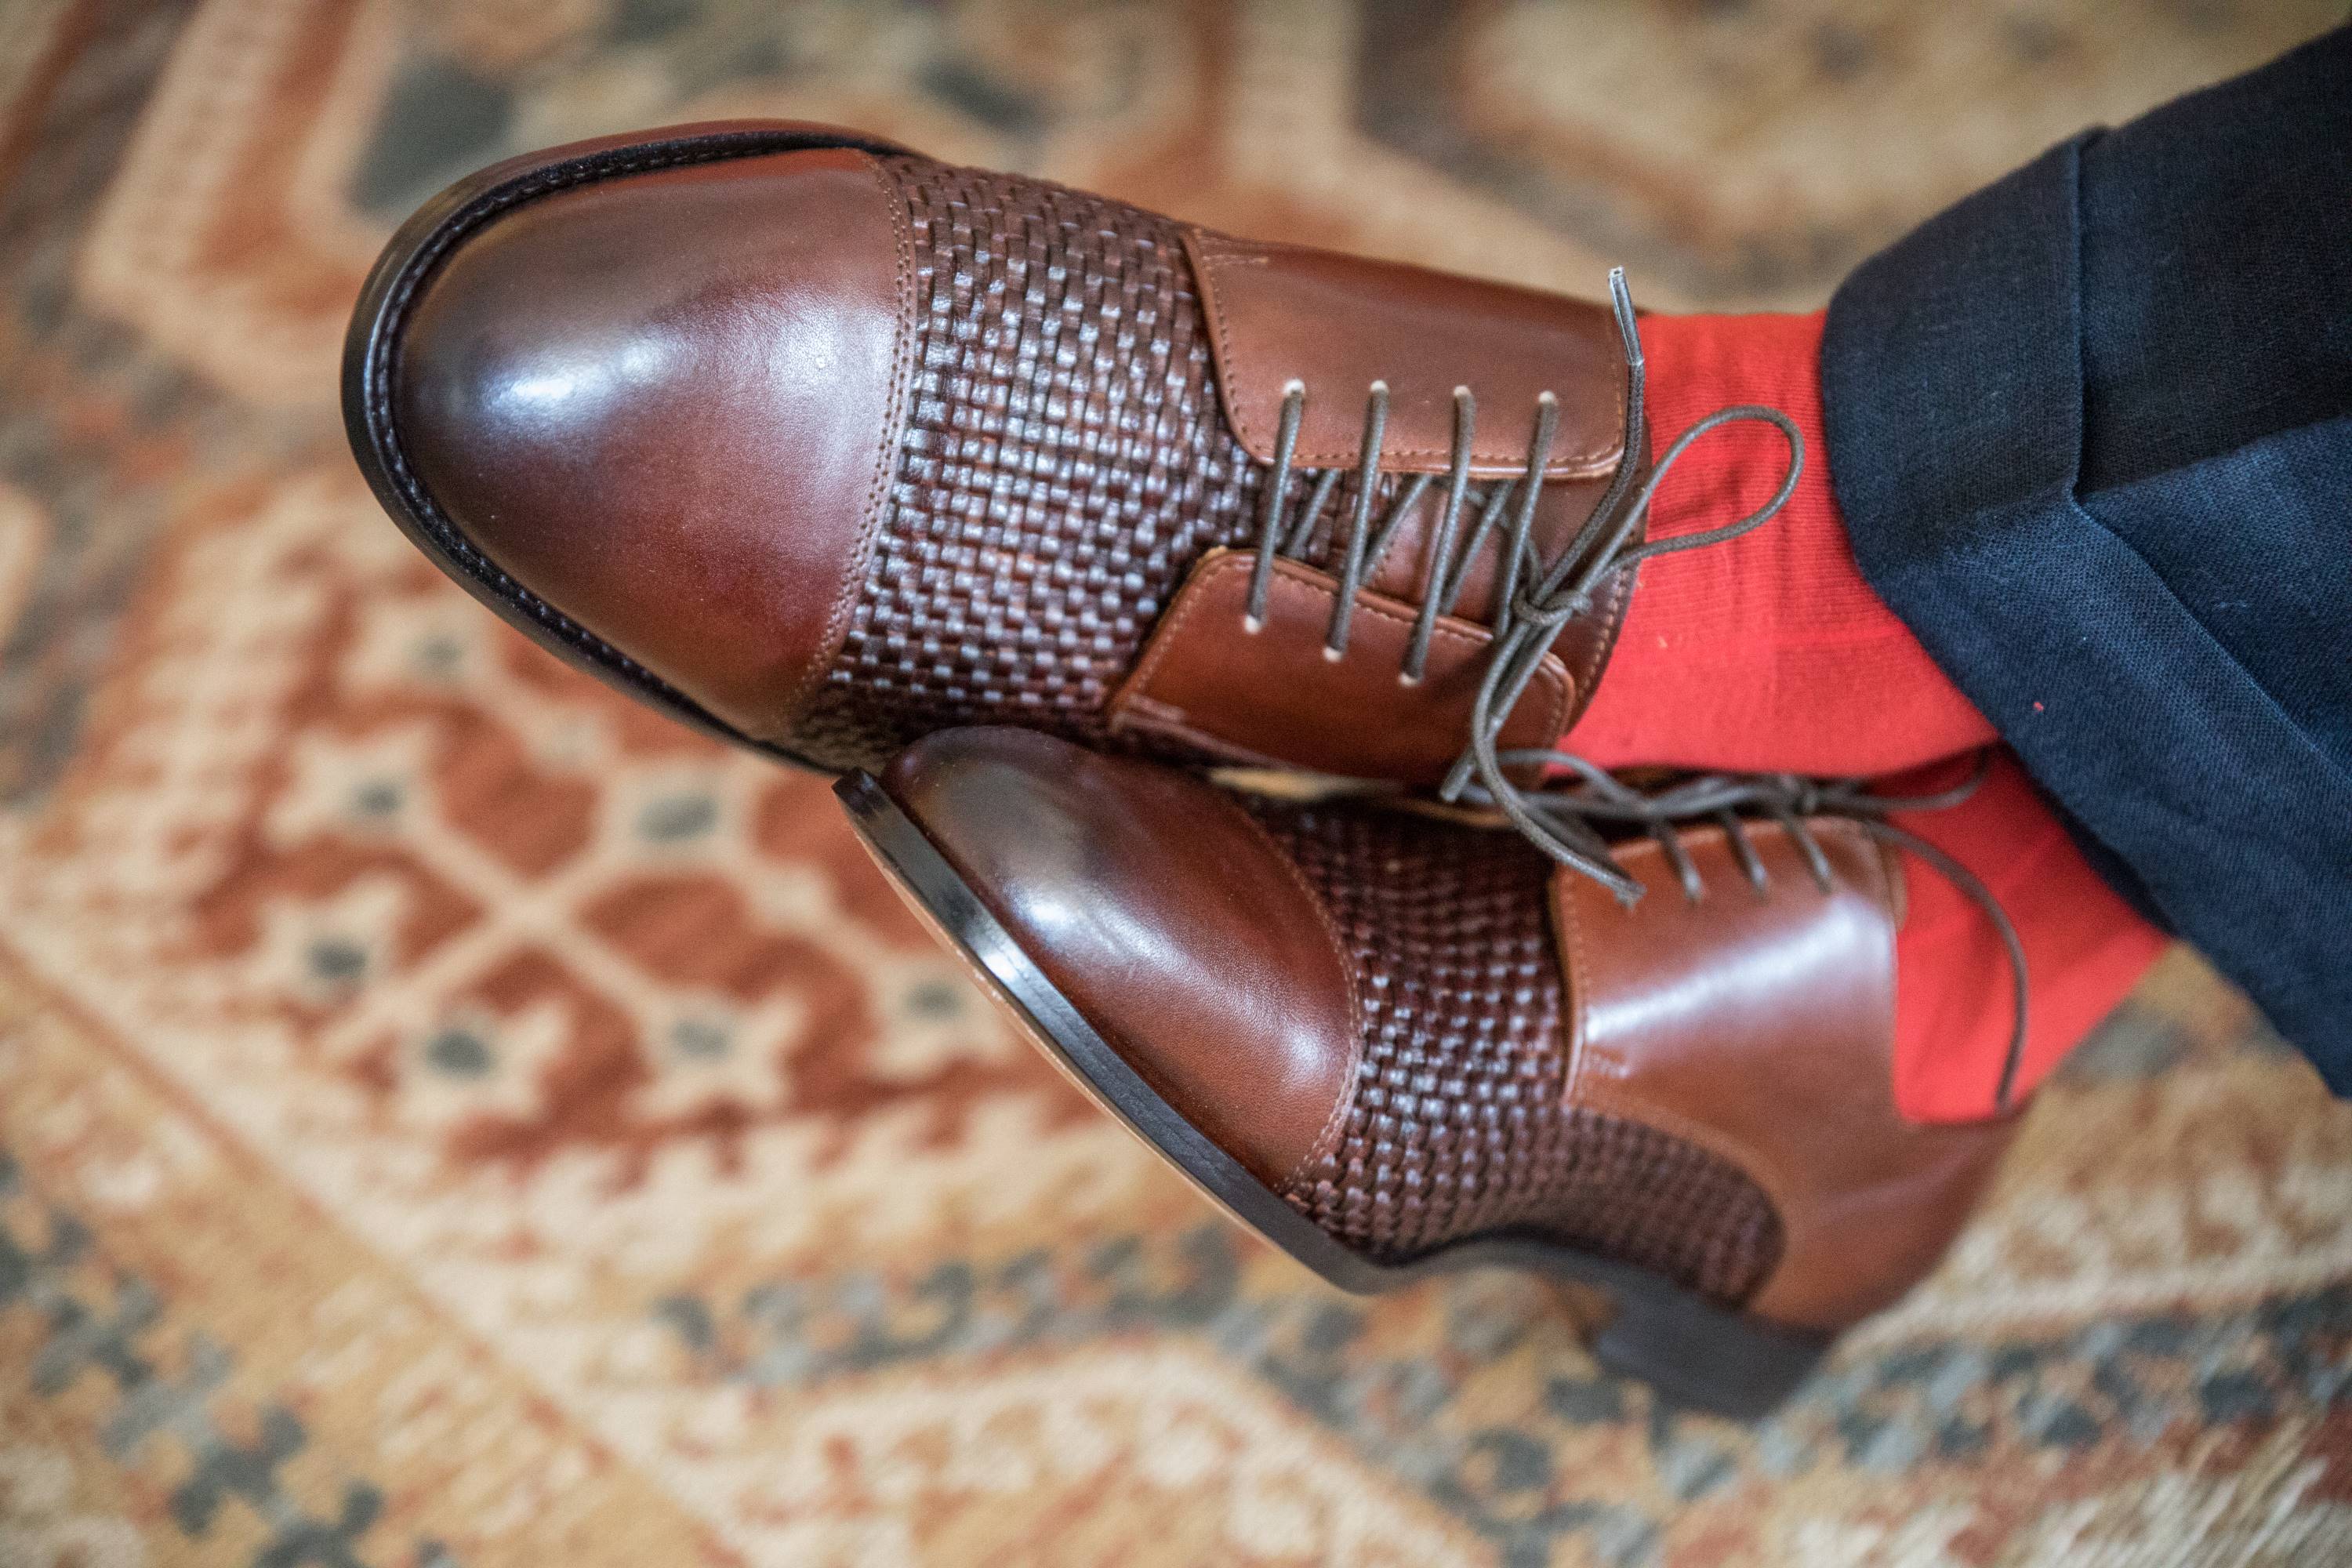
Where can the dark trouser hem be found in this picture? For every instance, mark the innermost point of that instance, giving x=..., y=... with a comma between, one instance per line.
x=2092, y=433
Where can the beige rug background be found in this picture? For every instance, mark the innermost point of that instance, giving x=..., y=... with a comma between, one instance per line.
x=448, y=1118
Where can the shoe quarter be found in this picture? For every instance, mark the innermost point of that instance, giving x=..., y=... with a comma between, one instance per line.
x=1761, y=1026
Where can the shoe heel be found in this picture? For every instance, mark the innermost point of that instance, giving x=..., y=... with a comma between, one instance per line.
x=1700, y=1355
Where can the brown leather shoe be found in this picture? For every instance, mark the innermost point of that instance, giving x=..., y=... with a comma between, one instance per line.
x=1392, y=1044
x=820, y=444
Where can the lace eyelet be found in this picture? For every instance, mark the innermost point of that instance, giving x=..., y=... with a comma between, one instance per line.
x=1252, y=625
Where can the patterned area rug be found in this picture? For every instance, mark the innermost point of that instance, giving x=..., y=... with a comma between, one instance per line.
x=450, y=1119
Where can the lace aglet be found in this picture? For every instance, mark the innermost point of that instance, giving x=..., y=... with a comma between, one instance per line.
x=1458, y=780
x=1621, y=302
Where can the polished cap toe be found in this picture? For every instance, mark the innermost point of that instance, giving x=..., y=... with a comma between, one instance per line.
x=1162, y=912
x=667, y=403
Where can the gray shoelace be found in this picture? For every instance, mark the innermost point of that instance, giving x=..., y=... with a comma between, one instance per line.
x=1536, y=602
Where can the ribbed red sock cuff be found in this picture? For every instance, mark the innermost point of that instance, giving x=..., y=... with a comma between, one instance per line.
x=2085, y=949
x=1769, y=653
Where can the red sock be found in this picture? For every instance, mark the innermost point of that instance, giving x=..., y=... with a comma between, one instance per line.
x=1767, y=653
x=2085, y=948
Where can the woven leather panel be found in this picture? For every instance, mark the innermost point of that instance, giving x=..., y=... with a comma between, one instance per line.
x=1458, y=1126
x=1065, y=463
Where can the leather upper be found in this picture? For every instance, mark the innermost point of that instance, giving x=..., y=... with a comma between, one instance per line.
x=1420, y=1031
x=669, y=403
x=1334, y=324
x=1164, y=914
x=1762, y=1027
x=1285, y=319
x=844, y=445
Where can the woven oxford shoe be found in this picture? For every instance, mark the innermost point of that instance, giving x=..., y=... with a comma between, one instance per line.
x=820, y=444
x=1392, y=1044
